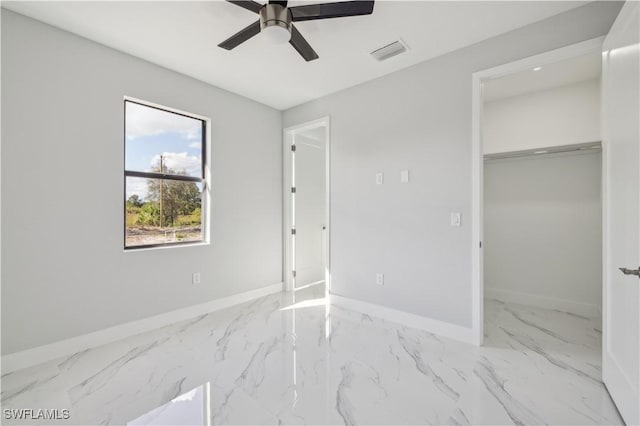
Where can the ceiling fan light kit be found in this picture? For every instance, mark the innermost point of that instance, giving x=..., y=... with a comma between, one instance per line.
x=276, y=21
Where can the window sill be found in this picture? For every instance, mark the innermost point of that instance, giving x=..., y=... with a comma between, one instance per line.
x=166, y=247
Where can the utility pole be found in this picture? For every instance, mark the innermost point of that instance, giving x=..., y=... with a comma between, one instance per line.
x=161, y=186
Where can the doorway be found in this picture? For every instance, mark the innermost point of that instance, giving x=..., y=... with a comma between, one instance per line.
x=542, y=206
x=542, y=188
x=480, y=81
x=306, y=204
x=537, y=216
x=616, y=372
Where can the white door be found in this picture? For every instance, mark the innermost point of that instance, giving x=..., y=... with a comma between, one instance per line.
x=309, y=206
x=621, y=148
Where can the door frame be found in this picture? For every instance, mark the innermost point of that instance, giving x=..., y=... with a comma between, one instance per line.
x=287, y=160
x=477, y=162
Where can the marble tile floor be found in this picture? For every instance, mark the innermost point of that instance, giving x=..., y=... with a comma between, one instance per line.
x=291, y=359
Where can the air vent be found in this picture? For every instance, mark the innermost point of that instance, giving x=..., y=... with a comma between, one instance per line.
x=389, y=51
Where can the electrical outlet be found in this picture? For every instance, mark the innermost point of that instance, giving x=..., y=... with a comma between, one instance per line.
x=195, y=278
x=380, y=279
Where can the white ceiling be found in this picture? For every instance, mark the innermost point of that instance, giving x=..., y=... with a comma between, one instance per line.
x=569, y=71
x=183, y=36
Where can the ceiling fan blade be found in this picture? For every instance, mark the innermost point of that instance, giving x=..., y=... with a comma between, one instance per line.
x=241, y=36
x=282, y=3
x=249, y=5
x=300, y=44
x=310, y=12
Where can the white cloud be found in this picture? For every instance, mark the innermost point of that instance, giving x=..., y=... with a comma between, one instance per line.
x=136, y=186
x=146, y=121
x=179, y=161
x=195, y=144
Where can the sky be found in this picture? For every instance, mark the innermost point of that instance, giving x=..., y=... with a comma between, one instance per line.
x=151, y=132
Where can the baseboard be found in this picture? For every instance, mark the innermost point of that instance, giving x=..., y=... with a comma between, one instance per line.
x=577, y=308
x=40, y=354
x=452, y=331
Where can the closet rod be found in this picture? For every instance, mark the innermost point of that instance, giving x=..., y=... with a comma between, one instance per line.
x=589, y=146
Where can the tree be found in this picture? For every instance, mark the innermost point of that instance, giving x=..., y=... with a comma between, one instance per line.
x=134, y=201
x=175, y=197
x=149, y=214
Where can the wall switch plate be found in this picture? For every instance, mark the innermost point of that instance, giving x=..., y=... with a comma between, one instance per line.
x=379, y=178
x=195, y=278
x=380, y=279
x=404, y=176
x=456, y=219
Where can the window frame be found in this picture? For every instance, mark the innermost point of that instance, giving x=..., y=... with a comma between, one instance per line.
x=202, y=179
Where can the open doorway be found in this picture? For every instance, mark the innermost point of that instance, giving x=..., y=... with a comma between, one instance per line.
x=539, y=202
x=542, y=218
x=537, y=218
x=542, y=204
x=537, y=187
x=608, y=372
x=306, y=195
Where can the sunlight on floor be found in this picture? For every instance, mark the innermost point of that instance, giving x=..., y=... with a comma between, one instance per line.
x=307, y=304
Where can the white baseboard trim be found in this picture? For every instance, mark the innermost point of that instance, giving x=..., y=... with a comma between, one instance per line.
x=51, y=351
x=452, y=331
x=577, y=308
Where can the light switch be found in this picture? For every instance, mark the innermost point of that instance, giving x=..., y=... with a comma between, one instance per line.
x=404, y=176
x=456, y=219
x=379, y=178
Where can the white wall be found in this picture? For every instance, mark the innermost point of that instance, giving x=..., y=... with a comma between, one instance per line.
x=64, y=269
x=419, y=119
x=310, y=209
x=560, y=116
x=543, y=230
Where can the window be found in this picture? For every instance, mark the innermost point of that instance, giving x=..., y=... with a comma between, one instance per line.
x=164, y=175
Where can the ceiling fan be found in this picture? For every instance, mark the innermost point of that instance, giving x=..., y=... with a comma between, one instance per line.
x=276, y=21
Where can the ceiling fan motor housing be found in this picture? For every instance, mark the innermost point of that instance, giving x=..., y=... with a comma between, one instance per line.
x=275, y=15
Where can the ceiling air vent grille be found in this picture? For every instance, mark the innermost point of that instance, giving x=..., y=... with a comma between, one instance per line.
x=389, y=51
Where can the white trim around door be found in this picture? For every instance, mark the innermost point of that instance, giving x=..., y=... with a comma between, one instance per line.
x=287, y=162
